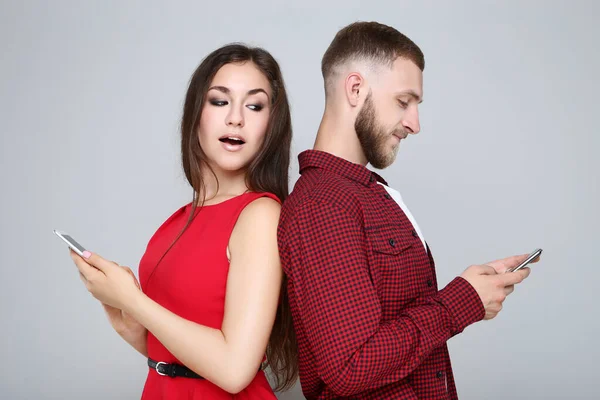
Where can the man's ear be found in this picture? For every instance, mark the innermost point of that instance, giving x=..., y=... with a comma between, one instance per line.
x=355, y=88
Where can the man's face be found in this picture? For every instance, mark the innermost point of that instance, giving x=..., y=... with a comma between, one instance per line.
x=390, y=112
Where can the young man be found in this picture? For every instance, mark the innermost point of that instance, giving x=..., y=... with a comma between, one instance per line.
x=370, y=320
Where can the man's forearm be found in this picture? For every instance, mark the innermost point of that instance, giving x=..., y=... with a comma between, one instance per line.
x=395, y=348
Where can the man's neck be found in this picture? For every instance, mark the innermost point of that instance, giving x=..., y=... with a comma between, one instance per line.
x=337, y=137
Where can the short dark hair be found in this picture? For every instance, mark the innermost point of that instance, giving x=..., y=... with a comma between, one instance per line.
x=372, y=41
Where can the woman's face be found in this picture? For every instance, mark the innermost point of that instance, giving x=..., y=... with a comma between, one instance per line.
x=234, y=116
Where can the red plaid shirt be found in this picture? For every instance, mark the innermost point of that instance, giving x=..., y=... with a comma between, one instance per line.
x=370, y=320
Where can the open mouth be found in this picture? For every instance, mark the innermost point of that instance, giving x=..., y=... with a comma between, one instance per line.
x=232, y=140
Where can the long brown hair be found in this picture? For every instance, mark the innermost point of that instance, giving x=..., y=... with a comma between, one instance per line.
x=267, y=172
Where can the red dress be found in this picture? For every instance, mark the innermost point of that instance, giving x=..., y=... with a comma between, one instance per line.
x=190, y=281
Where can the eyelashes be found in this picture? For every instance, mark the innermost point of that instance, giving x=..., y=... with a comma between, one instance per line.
x=218, y=103
x=255, y=107
x=222, y=103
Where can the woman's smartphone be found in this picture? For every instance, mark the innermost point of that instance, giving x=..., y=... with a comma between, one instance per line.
x=535, y=254
x=72, y=243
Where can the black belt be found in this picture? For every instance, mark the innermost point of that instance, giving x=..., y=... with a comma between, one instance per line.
x=172, y=370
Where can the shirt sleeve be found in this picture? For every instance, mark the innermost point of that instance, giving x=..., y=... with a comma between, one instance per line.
x=355, y=350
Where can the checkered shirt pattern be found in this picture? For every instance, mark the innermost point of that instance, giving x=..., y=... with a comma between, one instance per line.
x=369, y=318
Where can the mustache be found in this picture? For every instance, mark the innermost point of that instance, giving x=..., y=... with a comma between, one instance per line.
x=400, y=132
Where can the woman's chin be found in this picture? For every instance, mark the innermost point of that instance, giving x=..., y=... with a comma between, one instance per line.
x=231, y=166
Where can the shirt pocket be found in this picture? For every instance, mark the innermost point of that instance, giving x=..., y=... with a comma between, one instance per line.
x=393, y=268
x=390, y=240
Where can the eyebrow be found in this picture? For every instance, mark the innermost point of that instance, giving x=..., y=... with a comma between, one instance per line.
x=410, y=93
x=227, y=91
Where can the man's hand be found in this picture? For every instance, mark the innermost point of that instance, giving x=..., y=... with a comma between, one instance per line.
x=492, y=284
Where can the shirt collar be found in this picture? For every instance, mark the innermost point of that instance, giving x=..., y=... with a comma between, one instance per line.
x=337, y=165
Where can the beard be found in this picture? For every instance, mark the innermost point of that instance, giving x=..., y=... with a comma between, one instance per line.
x=373, y=137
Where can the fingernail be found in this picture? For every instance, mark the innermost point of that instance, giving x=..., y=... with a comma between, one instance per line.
x=86, y=254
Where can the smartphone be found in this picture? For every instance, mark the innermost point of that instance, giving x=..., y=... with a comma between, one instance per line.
x=535, y=254
x=72, y=243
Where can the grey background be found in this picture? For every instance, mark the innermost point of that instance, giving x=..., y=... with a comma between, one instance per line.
x=91, y=95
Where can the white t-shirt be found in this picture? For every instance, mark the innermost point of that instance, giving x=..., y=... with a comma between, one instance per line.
x=398, y=199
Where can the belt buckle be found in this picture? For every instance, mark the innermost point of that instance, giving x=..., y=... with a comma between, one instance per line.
x=156, y=368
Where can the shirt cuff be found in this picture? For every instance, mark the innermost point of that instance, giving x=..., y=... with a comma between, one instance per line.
x=462, y=302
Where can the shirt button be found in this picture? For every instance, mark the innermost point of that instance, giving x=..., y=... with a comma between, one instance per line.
x=439, y=374
x=387, y=196
x=429, y=282
x=392, y=242
x=414, y=233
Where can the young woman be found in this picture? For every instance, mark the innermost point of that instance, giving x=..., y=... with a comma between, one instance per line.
x=212, y=308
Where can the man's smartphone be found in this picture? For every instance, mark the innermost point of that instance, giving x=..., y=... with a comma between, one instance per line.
x=535, y=254
x=72, y=243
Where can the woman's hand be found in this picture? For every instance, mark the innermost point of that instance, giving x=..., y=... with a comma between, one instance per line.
x=128, y=328
x=122, y=323
x=115, y=286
